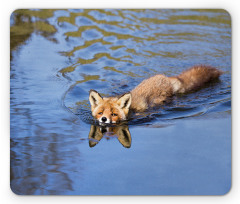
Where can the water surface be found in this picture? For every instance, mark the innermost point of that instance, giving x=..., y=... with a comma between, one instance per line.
x=57, y=56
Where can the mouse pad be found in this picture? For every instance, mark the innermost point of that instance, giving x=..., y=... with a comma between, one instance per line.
x=101, y=102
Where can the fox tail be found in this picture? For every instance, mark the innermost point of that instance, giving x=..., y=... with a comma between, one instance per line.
x=194, y=78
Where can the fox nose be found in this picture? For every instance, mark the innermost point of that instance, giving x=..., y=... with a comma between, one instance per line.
x=104, y=119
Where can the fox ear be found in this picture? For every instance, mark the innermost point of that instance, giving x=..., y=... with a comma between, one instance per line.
x=94, y=97
x=125, y=101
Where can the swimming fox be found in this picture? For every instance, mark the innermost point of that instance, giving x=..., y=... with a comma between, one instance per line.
x=149, y=93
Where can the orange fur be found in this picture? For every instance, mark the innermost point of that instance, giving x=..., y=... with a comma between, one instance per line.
x=149, y=93
x=109, y=110
x=195, y=77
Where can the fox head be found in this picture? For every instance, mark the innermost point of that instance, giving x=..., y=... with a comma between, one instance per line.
x=109, y=110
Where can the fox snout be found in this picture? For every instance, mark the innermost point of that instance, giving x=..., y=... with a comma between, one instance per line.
x=109, y=110
x=104, y=120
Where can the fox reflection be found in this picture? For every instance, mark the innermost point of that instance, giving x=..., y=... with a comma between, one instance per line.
x=122, y=132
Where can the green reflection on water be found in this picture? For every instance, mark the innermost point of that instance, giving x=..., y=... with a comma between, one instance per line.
x=24, y=25
x=95, y=58
x=86, y=44
x=28, y=21
x=105, y=33
x=121, y=72
x=39, y=13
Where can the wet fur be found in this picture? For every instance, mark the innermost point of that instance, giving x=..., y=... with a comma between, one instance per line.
x=115, y=109
x=157, y=89
x=151, y=92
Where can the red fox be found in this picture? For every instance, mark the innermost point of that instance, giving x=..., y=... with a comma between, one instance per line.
x=149, y=93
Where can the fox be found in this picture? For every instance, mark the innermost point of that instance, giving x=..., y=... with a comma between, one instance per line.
x=150, y=93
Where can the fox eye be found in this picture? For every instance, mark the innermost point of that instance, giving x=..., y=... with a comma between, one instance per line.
x=114, y=114
x=100, y=113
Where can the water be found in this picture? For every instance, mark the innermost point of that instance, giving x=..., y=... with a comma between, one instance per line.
x=57, y=56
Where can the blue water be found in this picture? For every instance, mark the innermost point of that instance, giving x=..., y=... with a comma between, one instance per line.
x=57, y=56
